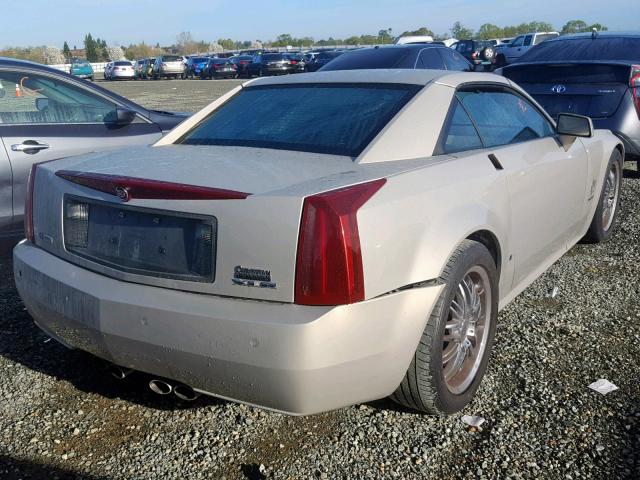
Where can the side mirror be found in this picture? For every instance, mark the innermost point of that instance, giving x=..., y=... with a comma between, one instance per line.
x=574, y=125
x=124, y=116
x=42, y=103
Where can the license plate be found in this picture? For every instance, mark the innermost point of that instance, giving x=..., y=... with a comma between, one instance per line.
x=142, y=241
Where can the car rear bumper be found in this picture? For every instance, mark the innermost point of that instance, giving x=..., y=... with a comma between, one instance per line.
x=122, y=74
x=291, y=358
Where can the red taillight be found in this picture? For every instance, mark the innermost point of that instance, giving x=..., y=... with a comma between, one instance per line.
x=243, y=62
x=28, y=206
x=329, y=264
x=294, y=62
x=128, y=188
x=634, y=84
x=474, y=55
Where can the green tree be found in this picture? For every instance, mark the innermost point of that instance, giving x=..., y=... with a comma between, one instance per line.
x=227, y=43
x=66, y=51
x=598, y=26
x=461, y=32
x=90, y=48
x=421, y=32
x=580, y=26
x=384, y=36
x=489, y=30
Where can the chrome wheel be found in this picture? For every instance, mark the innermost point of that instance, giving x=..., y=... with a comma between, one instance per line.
x=467, y=330
x=610, y=195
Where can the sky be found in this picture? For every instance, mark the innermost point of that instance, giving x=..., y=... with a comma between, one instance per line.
x=121, y=22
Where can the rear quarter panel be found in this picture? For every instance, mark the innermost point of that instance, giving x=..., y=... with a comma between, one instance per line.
x=410, y=228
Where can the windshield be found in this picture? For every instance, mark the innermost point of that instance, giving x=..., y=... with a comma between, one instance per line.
x=339, y=119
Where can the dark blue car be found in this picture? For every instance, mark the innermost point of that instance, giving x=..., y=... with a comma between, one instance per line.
x=432, y=56
x=195, y=65
x=593, y=74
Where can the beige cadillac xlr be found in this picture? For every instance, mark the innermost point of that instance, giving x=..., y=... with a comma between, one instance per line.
x=318, y=240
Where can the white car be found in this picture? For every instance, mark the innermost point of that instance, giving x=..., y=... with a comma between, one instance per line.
x=120, y=70
x=318, y=240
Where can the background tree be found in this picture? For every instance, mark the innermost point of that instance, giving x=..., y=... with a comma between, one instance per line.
x=185, y=44
x=461, y=32
x=66, y=51
x=489, y=30
x=421, y=32
x=580, y=26
x=90, y=48
x=384, y=36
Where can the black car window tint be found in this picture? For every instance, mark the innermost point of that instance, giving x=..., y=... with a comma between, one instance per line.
x=527, y=40
x=459, y=134
x=430, y=59
x=339, y=119
x=453, y=60
x=504, y=118
x=45, y=100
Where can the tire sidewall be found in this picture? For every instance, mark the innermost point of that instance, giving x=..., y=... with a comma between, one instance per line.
x=596, y=231
x=446, y=401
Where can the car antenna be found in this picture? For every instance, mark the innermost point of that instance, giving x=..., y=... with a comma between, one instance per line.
x=594, y=33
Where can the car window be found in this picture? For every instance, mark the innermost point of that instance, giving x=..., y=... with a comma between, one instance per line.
x=171, y=58
x=503, y=117
x=518, y=42
x=430, y=59
x=542, y=37
x=527, y=40
x=45, y=100
x=339, y=119
x=453, y=60
x=459, y=133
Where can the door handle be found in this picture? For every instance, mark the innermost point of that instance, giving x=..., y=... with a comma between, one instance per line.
x=29, y=145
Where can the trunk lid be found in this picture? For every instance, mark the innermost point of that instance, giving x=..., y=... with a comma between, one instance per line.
x=591, y=89
x=251, y=243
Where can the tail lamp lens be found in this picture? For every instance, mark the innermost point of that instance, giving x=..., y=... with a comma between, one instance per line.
x=76, y=224
x=28, y=206
x=329, y=264
x=634, y=84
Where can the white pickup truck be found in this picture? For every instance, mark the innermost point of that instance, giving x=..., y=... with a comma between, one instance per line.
x=506, y=54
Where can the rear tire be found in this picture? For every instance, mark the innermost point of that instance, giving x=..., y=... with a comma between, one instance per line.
x=606, y=214
x=471, y=291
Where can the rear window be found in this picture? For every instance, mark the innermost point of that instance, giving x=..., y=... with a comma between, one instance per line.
x=585, y=49
x=199, y=59
x=338, y=119
x=583, y=74
x=171, y=58
x=370, y=58
x=122, y=64
x=270, y=57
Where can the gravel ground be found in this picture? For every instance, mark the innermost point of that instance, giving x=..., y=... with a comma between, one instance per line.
x=178, y=95
x=63, y=416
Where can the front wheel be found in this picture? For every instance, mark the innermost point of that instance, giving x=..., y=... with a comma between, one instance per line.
x=606, y=214
x=454, y=350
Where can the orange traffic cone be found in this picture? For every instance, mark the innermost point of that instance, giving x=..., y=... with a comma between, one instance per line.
x=18, y=92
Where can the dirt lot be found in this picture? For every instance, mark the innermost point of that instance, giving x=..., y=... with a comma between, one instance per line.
x=63, y=416
x=178, y=95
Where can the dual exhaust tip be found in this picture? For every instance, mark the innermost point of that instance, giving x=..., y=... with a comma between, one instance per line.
x=183, y=392
x=158, y=386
